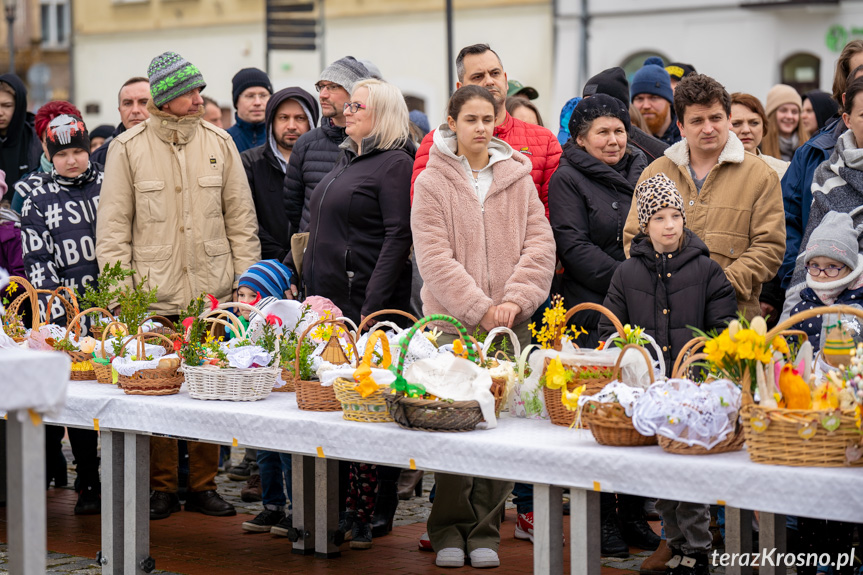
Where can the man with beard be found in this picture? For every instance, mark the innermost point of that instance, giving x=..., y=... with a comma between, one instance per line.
x=290, y=113
x=480, y=65
x=652, y=95
x=316, y=153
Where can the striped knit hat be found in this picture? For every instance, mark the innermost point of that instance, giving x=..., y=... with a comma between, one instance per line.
x=171, y=76
x=270, y=278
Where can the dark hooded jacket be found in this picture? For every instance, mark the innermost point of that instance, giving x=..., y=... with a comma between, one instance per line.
x=247, y=135
x=314, y=155
x=360, y=231
x=58, y=231
x=265, y=168
x=651, y=147
x=589, y=201
x=20, y=149
x=101, y=153
x=672, y=134
x=668, y=294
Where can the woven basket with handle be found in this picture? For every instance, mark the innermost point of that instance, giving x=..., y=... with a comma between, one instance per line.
x=557, y=412
x=802, y=437
x=102, y=365
x=373, y=407
x=230, y=383
x=81, y=356
x=157, y=381
x=311, y=395
x=608, y=422
x=430, y=414
x=14, y=308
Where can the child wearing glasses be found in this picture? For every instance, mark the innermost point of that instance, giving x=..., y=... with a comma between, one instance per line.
x=834, y=270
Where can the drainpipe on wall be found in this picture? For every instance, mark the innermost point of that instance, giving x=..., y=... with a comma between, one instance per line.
x=585, y=37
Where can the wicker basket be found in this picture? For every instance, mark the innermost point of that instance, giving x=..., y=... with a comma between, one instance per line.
x=608, y=422
x=104, y=371
x=80, y=356
x=368, y=319
x=311, y=395
x=229, y=384
x=158, y=381
x=797, y=437
x=14, y=308
x=733, y=442
x=168, y=329
x=288, y=378
x=557, y=412
x=430, y=414
x=371, y=408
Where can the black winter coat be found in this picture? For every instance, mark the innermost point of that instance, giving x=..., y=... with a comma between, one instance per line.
x=101, y=153
x=809, y=300
x=652, y=148
x=588, y=202
x=360, y=232
x=315, y=154
x=20, y=148
x=668, y=294
x=58, y=232
x=266, y=176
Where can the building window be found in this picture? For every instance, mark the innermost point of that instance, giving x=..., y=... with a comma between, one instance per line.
x=802, y=71
x=55, y=23
x=634, y=63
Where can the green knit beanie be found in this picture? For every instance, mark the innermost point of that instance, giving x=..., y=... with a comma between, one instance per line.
x=171, y=76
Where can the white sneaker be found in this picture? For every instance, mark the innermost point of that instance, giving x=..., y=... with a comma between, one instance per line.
x=484, y=558
x=450, y=557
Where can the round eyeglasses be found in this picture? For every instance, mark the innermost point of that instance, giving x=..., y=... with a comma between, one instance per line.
x=829, y=271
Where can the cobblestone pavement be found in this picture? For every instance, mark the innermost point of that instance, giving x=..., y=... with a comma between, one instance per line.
x=415, y=510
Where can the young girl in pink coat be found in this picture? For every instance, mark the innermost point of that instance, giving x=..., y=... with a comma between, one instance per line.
x=486, y=254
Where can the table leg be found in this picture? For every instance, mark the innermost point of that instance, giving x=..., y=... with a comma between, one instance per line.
x=584, y=532
x=548, y=529
x=326, y=507
x=111, y=555
x=136, y=504
x=772, y=535
x=25, y=448
x=738, y=540
x=303, y=503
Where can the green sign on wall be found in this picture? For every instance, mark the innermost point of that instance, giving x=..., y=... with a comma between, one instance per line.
x=838, y=36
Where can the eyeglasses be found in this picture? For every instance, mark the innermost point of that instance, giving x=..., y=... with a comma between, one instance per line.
x=329, y=87
x=830, y=271
x=354, y=107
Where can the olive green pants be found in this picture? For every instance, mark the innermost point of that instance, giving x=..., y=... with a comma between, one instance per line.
x=466, y=512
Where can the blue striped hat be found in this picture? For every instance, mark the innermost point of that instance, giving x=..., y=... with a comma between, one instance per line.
x=270, y=278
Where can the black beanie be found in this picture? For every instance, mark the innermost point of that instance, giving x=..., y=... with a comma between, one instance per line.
x=64, y=132
x=611, y=82
x=598, y=106
x=249, y=78
x=823, y=105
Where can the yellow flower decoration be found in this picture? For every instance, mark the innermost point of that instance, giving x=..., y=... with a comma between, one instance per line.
x=780, y=345
x=10, y=289
x=570, y=398
x=555, y=374
x=858, y=415
x=458, y=348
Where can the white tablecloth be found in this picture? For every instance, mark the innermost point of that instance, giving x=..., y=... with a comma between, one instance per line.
x=530, y=451
x=33, y=380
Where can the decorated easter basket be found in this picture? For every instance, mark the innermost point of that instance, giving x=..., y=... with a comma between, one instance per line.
x=732, y=442
x=802, y=437
x=311, y=395
x=499, y=388
x=366, y=402
x=557, y=411
x=13, y=310
x=156, y=381
x=211, y=382
x=608, y=422
x=431, y=414
x=81, y=357
x=102, y=365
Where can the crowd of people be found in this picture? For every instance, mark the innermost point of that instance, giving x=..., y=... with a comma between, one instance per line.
x=672, y=202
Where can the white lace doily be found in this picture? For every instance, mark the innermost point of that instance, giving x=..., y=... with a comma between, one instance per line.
x=248, y=355
x=684, y=411
x=615, y=392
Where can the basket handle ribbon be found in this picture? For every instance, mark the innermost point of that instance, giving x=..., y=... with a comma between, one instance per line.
x=366, y=384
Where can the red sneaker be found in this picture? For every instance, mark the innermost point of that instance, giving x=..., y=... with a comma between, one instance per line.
x=524, y=527
x=425, y=542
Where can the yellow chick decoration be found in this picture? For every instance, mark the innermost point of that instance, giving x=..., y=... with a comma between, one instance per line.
x=825, y=396
x=795, y=391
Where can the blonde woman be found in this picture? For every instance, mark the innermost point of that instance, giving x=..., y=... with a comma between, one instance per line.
x=358, y=253
x=785, y=132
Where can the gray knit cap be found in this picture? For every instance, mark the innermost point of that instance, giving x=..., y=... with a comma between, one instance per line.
x=834, y=238
x=345, y=72
x=171, y=76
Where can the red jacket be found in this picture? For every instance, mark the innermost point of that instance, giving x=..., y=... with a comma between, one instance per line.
x=535, y=142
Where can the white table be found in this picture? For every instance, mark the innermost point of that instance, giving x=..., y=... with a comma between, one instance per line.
x=31, y=383
x=528, y=451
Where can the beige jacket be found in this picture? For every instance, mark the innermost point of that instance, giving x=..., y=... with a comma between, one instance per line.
x=474, y=253
x=738, y=214
x=176, y=208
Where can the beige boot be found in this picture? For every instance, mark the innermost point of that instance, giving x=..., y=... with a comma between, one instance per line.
x=655, y=564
